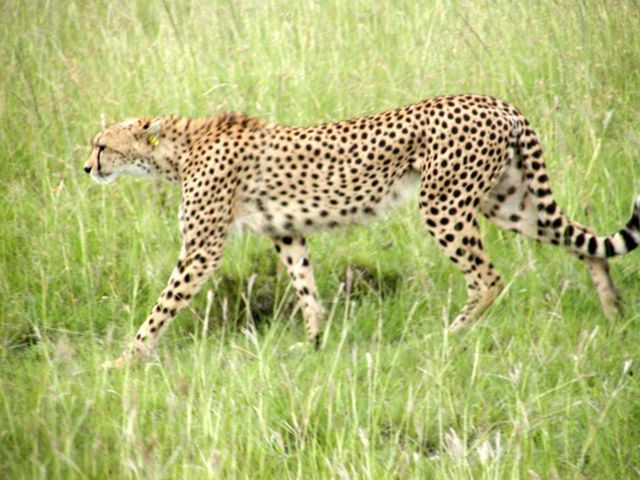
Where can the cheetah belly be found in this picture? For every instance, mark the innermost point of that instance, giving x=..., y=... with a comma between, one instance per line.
x=272, y=217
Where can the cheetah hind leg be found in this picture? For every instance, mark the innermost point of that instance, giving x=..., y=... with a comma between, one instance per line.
x=461, y=243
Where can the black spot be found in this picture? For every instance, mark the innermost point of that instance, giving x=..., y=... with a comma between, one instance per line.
x=287, y=240
x=629, y=242
x=568, y=233
x=593, y=245
x=608, y=248
x=580, y=240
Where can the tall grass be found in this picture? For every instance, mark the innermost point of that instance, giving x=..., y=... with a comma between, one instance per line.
x=542, y=387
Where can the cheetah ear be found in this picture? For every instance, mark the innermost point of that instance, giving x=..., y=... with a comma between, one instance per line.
x=151, y=132
x=152, y=128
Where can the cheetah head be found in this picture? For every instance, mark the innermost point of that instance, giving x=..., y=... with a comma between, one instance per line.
x=125, y=147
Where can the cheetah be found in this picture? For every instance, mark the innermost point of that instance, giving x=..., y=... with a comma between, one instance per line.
x=468, y=154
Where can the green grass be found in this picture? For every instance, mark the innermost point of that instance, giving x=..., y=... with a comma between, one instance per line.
x=542, y=387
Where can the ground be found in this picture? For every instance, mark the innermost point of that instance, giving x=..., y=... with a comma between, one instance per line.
x=543, y=387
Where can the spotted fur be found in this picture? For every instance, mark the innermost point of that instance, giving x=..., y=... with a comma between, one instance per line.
x=467, y=154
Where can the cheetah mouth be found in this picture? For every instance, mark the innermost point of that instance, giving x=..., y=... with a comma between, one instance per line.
x=102, y=178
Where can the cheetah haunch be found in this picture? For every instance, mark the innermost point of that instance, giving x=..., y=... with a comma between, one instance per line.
x=469, y=153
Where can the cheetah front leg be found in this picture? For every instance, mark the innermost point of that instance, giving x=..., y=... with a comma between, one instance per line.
x=204, y=233
x=295, y=256
x=192, y=270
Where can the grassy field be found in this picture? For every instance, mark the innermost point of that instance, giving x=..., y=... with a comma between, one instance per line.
x=543, y=387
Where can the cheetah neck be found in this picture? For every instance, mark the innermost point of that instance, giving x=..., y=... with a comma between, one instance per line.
x=173, y=148
x=182, y=140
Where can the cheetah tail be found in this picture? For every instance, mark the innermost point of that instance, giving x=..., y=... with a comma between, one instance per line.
x=583, y=241
x=554, y=226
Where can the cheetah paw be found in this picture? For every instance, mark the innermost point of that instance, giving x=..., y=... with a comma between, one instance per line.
x=458, y=325
x=118, y=363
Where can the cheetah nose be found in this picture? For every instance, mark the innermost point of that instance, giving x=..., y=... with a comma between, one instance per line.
x=87, y=169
